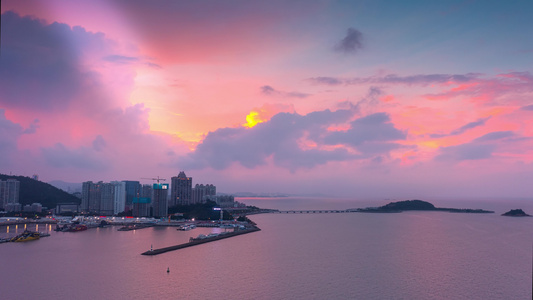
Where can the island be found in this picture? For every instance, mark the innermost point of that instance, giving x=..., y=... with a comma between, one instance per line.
x=516, y=213
x=417, y=205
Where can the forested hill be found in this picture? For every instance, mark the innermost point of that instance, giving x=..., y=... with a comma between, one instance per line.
x=34, y=191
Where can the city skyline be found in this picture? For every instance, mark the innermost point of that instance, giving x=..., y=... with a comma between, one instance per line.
x=360, y=99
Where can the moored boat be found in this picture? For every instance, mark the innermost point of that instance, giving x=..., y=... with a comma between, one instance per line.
x=26, y=236
x=77, y=227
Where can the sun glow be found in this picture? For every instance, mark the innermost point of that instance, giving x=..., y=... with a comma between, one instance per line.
x=253, y=119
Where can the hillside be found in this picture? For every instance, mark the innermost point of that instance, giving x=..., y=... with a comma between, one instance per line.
x=32, y=191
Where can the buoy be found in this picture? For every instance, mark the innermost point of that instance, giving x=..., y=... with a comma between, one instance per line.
x=151, y=248
x=168, y=270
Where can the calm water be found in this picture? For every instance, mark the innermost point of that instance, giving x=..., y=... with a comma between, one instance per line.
x=410, y=255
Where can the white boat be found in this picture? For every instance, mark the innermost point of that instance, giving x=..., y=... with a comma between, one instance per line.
x=186, y=227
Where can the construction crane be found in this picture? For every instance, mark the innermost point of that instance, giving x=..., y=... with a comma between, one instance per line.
x=156, y=179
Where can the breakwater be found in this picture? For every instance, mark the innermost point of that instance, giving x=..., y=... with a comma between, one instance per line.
x=195, y=242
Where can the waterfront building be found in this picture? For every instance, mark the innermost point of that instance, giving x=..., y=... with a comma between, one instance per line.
x=91, y=195
x=9, y=195
x=159, y=200
x=2, y=194
x=119, y=201
x=200, y=191
x=181, y=190
x=107, y=199
x=133, y=189
x=85, y=188
x=143, y=204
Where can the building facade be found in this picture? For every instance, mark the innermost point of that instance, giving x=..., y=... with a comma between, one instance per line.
x=200, y=191
x=91, y=196
x=159, y=200
x=9, y=195
x=133, y=189
x=119, y=203
x=181, y=190
x=142, y=205
x=107, y=199
x=103, y=198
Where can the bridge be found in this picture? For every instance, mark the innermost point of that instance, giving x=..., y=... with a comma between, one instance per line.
x=319, y=211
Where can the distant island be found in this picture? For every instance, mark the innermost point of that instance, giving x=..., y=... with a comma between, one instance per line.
x=419, y=205
x=516, y=213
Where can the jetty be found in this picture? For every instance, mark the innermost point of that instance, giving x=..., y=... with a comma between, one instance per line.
x=198, y=241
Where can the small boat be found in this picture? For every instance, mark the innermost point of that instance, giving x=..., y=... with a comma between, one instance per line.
x=26, y=236
x=77, y=227
x=186, y=227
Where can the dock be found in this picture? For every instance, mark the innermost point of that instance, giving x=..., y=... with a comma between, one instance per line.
x=195, y=242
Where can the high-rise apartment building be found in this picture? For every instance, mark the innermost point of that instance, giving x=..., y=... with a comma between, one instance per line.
x=133, y=190
x=103, y=198
x=142, y=204
x=107, y=199
x=181, y=190
x=119, y=203
x=2, y=194
x=200, y=191
x=91, y=196
x=9, y=194
x=159, y=200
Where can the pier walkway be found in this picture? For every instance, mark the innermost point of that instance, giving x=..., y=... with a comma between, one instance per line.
x=200, y=241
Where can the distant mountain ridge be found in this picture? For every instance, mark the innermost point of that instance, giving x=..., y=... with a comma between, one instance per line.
x=70, y=187
x=34, y=191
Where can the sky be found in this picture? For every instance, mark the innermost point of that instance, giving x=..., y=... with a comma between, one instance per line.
x=391, y=99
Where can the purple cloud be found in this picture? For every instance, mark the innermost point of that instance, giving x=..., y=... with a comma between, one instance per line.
x=45, y=58
x=60, y=156
x=420, y=79
x=468, y=151
x=120, y=59
x=462, y=129
x=370, y=135
x=482, y=147
x=351, y=43
x=9, y=134
x=496, y=135
x=270, y=91
x=326, y=80
x=99, y=143
x=527, y=108
x=32, y=128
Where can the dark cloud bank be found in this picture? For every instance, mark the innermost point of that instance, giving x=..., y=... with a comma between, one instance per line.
x=368, y=137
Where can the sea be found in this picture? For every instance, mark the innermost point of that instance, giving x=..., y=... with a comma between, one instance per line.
x=409, y=255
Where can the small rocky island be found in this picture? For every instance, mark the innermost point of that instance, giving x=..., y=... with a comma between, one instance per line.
x=408, y=205
x=516, y=213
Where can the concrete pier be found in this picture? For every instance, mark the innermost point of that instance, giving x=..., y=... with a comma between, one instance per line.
x=201, y=241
